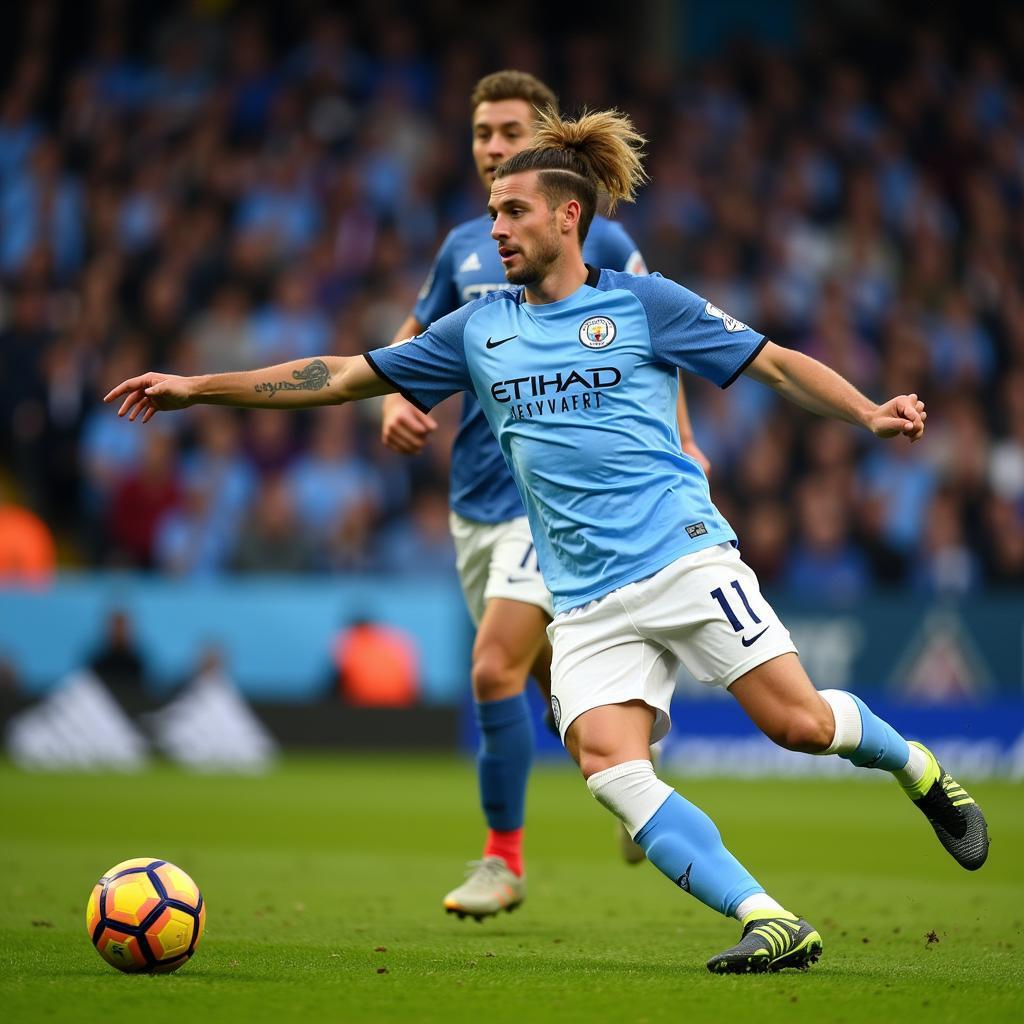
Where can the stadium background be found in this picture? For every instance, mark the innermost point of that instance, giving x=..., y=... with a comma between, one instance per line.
x=204, y=186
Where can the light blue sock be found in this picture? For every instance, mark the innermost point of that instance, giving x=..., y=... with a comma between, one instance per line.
x=862, y=737
x=682, y=842
x=503, y=761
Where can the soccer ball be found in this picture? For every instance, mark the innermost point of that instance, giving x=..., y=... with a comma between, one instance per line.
x=145, y=915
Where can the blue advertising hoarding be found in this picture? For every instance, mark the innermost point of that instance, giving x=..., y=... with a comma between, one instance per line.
x=951, y=674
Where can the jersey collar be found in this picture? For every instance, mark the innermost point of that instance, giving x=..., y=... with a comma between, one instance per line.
x=593, y=276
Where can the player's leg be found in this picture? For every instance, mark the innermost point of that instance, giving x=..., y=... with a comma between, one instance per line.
x=741, y=644
x=512, y=611
x=540, y=670
x=599, y=657
x=507, y=644
x=784, y=704
x=631, y=851
x=611, y=746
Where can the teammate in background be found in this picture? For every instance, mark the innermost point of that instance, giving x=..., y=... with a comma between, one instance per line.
x=643, y=569
x=495, y=554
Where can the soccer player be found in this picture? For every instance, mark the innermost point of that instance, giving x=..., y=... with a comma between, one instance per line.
x=576, y=373
x=495, y=554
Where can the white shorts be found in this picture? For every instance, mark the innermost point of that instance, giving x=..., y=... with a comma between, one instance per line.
x=497, y=560
x=704, y=611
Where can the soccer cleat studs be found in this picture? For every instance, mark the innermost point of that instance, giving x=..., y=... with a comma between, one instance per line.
x=770, y=943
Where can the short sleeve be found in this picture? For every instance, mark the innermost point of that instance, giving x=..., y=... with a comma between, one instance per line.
x=428, y=368
x=690, y=333
x=439, y=294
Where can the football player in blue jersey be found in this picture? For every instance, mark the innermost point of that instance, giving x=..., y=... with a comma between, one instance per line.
x=495, y=553
x=643, y=570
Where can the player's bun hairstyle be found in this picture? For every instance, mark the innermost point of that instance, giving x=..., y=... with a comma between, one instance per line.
x=513, y=85
x=599, y=152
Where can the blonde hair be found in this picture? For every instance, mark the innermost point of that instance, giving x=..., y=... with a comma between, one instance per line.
x=598, y=152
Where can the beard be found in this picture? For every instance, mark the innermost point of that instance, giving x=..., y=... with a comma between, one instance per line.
x=535, y=267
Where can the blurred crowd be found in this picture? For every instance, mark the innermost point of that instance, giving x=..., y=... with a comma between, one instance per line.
x=205, y=186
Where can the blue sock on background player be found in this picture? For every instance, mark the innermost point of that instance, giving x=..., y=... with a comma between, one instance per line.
x=503, y=767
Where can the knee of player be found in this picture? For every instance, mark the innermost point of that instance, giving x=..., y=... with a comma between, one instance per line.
x=594, y=754
x=593, y=761
x=807, y=730
x=495, y=676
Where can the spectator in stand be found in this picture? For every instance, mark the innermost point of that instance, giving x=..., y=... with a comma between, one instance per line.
x=290, y=327
x=331, y=479
x=119, y=664
x=211, y=191
x=41, y=208
x=271, y=539
x=142, y=499
x=420, y=543
x=28, y=555
x=1004, y=543
x=219, y=336
x=766, y=540
x=945, y=565
x=270, y=442
x=1006, y=462
x=218, y=466
x=186, y=544
x=824, y=566
x=279, y=206
x=377, y=666
x=903, y=487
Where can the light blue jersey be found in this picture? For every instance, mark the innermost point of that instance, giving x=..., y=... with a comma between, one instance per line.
x=581, y=396
x=466, y=267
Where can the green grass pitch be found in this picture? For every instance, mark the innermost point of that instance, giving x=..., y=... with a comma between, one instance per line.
x=324, y=880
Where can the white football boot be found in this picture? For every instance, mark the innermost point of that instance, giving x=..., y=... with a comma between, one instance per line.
x=489, y=888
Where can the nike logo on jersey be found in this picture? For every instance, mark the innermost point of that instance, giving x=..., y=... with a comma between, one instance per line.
x=521, y=579
x=501, y=341
x=747, y=641
x=471, y=262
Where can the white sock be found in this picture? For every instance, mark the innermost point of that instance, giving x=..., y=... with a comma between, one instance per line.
x=848, y=724
x=631, y=791
x=849, y=729
x=759, y=901
x=913, y=771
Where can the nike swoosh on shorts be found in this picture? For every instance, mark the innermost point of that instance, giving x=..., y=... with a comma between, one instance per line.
x=752, y=640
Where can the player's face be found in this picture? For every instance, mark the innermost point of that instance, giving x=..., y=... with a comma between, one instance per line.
x=525, y=228
x=500, y=129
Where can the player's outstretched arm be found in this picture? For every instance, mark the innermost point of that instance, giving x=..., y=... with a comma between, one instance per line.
x=325, y=380
x=814, y=386
x=403, y=428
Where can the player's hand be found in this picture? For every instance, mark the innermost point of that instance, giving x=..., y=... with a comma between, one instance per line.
x=903, y=415
x=404, y=429
x=151, y=392
x=692, y=449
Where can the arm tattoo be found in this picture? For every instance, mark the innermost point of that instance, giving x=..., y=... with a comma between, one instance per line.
x=314, y=377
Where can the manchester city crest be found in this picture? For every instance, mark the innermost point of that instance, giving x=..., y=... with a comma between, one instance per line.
x=597, y=331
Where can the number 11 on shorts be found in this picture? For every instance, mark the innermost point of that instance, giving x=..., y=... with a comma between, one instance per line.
x=727, y=608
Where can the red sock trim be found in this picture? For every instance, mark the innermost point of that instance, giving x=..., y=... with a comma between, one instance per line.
x=508, y=846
